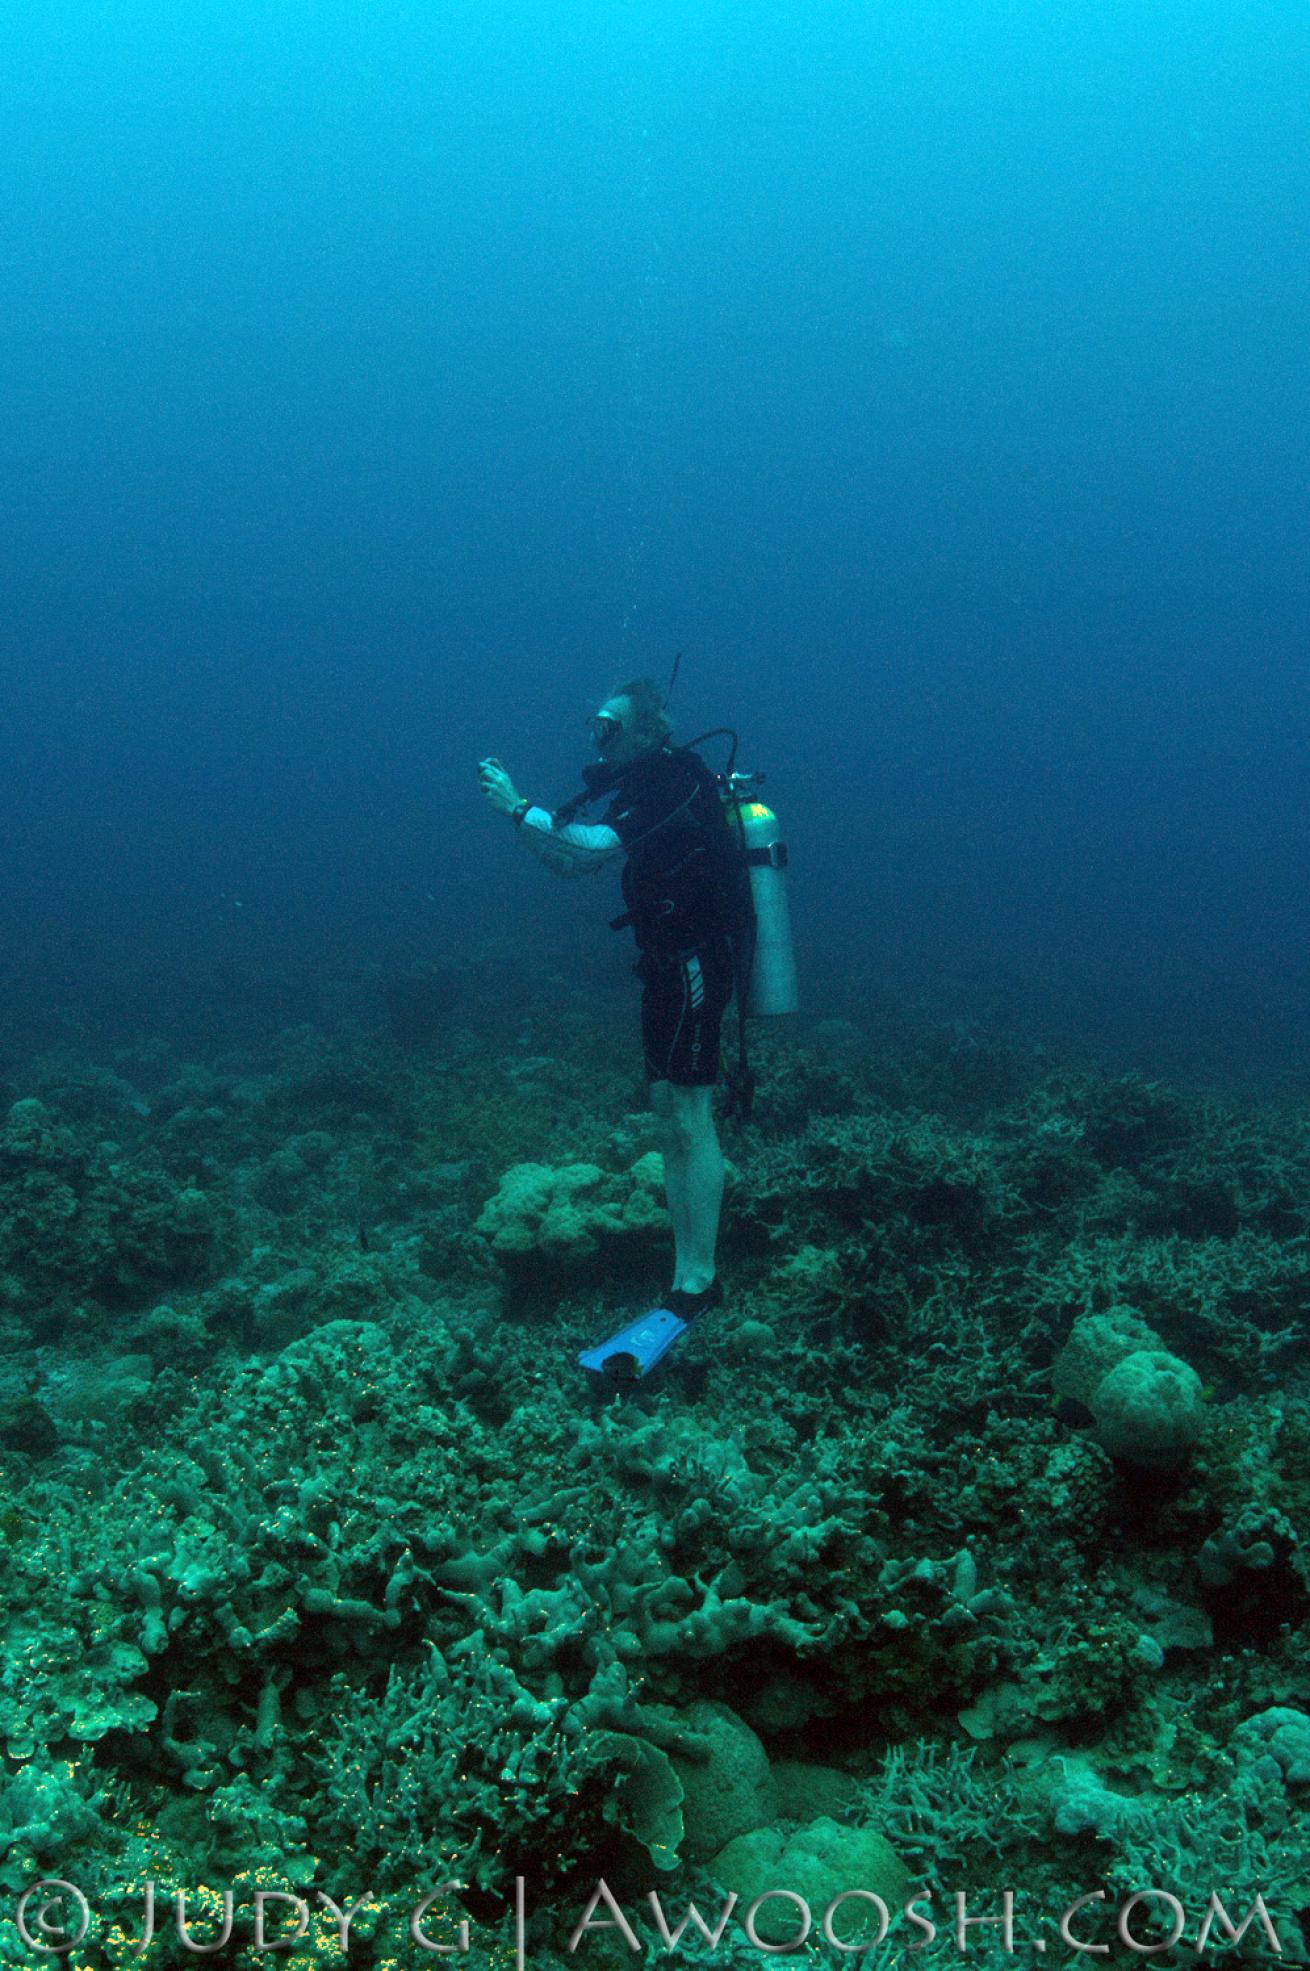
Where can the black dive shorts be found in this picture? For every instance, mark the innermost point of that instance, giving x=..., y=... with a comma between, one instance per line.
x=684, y=997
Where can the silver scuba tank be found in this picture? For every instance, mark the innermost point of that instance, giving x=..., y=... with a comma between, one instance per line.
x=772, y=986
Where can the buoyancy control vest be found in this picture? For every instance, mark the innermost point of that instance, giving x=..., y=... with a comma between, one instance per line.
x=684, y=879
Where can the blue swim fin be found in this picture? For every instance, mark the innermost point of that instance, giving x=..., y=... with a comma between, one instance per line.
x=636, y=1348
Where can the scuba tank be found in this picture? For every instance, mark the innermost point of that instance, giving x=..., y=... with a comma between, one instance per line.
x=771, y=969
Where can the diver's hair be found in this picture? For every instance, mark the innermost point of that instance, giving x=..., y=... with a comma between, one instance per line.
x=650, y=720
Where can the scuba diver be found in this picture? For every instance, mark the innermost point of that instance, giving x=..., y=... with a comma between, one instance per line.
x=687, y=892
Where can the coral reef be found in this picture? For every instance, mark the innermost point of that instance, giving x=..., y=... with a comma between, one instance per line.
x=970, y=1532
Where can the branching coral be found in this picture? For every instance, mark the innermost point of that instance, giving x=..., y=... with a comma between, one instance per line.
x=389, y=1582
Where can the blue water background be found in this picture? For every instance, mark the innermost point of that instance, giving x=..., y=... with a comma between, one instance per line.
x=382, y=383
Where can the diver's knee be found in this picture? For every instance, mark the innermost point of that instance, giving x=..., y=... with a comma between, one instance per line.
x=674, y=1119
x=675, y=1137
x=705, y=1125
x=693, y=1116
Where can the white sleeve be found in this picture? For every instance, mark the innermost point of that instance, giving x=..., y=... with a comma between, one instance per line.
x=574, y=850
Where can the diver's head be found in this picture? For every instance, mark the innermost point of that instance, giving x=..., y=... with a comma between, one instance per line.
x=632, y=721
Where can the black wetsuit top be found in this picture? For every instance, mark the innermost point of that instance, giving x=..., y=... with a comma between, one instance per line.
x=683, y=881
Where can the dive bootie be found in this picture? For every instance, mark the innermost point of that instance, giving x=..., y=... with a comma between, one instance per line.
x=634, y=1350
x=687, y=1305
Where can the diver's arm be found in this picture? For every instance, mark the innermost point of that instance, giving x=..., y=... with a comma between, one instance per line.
x=574, y=850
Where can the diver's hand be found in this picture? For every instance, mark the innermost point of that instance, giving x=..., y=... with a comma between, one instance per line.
x=498, y=787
